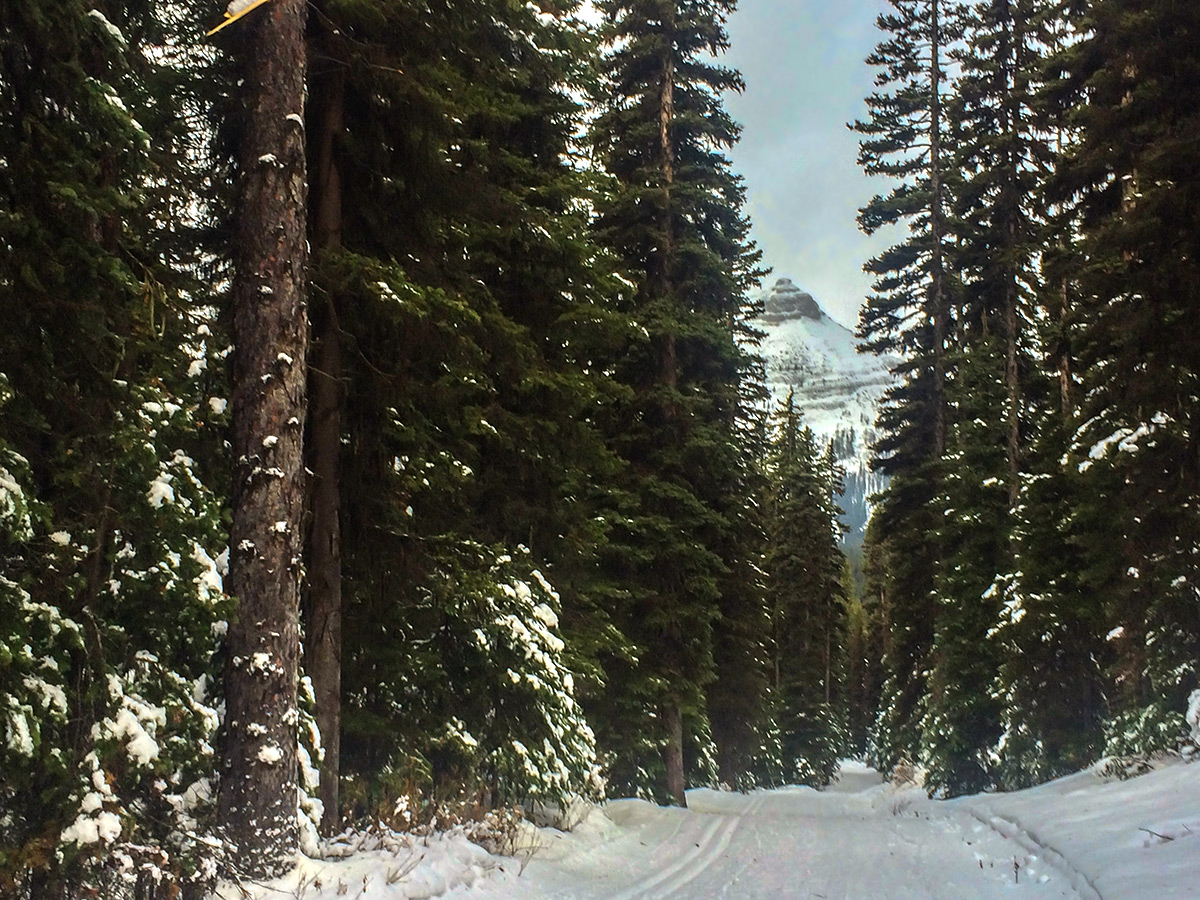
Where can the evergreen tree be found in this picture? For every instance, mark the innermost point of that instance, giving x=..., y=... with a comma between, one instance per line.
x=674, y=220
x=1021, y=446
x=1001, y=153
x=1051, y=629
x=259, y=776
x=996, y=156
x=1051, y=682
x=1003, y=148
x=1133, y=173
x=863, y=656
x=740, y=696
x=322, y=605
x=110, y=585
x=469, y=339
x=910, y=315
x=377, y=143
x=962, y=719
x=804, y=568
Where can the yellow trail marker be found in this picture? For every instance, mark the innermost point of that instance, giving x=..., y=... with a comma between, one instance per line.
x=235, y=10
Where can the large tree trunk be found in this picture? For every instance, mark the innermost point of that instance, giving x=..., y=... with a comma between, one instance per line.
x=1012, y=375
x=937, y=229
x=258, y=778
x=323, y=648
x=668, y=364
x=673, y=753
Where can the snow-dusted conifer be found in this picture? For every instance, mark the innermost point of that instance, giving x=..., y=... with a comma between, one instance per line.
x=961, y=721
x=111, y=585
x=804, y=569
x=484, y=703
x=1135, y=444
x=459, y=349
x=674, y=219
x=905, y=140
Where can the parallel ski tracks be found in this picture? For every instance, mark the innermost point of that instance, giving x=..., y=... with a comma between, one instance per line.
x=689, y=865
x=1011, y=830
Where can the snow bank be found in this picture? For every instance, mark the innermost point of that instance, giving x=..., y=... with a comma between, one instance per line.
x=394, y=867
x=1137, y=839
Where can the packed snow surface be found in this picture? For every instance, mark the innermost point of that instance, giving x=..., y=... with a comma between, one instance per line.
x=1078, y=837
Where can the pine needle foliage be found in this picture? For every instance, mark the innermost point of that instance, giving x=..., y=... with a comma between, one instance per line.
x=673, y=219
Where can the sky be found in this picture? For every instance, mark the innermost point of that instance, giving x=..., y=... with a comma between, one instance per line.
x=806, y=77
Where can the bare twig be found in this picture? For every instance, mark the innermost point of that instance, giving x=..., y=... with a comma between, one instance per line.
x=1161, y=837
x=404, y=869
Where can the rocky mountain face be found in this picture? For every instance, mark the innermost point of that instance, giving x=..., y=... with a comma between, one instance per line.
x=838, y=388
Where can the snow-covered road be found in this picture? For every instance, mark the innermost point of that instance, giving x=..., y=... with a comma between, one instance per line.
x=1085, y=837
x=859, y=839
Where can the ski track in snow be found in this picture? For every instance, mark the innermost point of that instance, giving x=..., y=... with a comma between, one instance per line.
x=677, y=875
x=696, y=854
x=1082, y=837
x=1027, y=840
x=858, y=840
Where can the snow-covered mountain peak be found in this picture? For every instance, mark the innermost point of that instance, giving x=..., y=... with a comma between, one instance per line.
x=812, y=354
x=838, y=389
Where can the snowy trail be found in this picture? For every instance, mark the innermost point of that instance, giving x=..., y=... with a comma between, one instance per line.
x=860, y=840
x=1083, y=837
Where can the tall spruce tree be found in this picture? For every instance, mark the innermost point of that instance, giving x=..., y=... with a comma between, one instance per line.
x=962, y=720
x=111, y=522
x=377, y=130
x=471, y=335
x=864, y=654
x=674, y=219
x=904, y=140
x=804, y=570
x=325, y=127
x=1051, y=630
x=1002, y=149
x=739, y=697
x=1001, y=153
x=1050, y=529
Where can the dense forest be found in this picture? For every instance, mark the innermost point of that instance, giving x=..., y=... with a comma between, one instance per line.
x=1034, y=557
x=382, y=436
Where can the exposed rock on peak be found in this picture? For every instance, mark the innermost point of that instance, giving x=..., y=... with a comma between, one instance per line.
x=786, y=301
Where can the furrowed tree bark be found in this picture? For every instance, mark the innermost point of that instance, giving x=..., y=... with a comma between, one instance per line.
x=668, y=374
x=258, y=796
x=323, y=648
x=673, y=752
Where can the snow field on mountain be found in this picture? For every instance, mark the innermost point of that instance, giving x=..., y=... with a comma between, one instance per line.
x=1084, y=837
x=837, y=387
x=811, y=354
